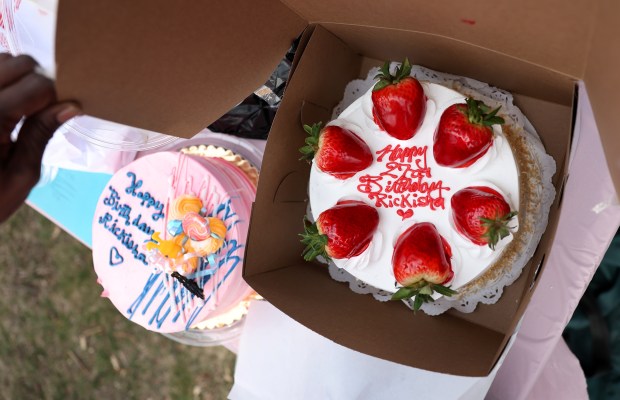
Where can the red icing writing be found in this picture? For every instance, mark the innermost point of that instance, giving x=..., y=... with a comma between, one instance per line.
x=406, y=183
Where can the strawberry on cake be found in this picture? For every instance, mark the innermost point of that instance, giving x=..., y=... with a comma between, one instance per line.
x=439, y=170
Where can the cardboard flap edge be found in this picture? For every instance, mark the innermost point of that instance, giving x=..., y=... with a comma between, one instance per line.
x=168, y=69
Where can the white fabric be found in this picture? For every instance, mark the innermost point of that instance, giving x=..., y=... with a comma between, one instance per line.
x=494, y=98
x=281, y=359
x=590, y=217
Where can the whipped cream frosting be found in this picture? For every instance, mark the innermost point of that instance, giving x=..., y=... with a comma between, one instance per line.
x=407, y=186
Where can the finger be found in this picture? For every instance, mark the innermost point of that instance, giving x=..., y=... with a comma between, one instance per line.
x=5, y=56
x=13, y=69
x=26, y=97
x=36, y=132
x=23, y=168
x=5, y=149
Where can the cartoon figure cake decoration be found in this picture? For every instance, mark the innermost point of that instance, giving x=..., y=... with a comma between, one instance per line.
x=193, y=236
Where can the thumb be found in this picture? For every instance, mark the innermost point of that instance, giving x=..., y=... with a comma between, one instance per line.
x=36, y=132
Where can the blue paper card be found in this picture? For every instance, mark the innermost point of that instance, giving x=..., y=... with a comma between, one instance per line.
x=69, y=199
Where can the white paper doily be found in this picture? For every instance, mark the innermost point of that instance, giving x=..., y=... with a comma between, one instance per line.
x=541, y=199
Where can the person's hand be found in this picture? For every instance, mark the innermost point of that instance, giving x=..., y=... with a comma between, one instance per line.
x=25, y=93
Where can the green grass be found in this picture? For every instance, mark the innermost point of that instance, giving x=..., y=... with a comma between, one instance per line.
x=60, y=340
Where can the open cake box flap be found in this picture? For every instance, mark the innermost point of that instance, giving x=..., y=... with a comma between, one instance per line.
x=168, y=67
x=176, y=69
x=531, y=30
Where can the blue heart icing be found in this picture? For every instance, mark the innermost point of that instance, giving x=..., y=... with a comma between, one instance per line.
x=115, y=257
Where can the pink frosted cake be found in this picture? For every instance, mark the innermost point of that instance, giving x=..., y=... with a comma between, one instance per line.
x=168, y=239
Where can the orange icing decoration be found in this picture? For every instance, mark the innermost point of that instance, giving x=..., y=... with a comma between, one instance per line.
x=183, y=205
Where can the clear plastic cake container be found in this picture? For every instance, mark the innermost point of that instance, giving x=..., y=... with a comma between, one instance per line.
x=224, y=330
x=226, y=335
x=240, y=146
x=113, y=136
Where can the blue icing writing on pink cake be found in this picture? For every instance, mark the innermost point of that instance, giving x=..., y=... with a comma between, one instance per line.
x=147, y=199
x=115, y=257
x=169, y=281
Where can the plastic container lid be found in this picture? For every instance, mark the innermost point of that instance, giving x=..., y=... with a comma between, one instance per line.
x=241, y=146
x=210, y=337
x=216, y=331
x=111, y=135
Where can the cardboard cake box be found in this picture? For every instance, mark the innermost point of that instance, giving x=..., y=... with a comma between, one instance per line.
x=175, y=70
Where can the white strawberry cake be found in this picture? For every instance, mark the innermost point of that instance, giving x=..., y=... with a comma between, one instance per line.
x=169, y=233
x=414, y=190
